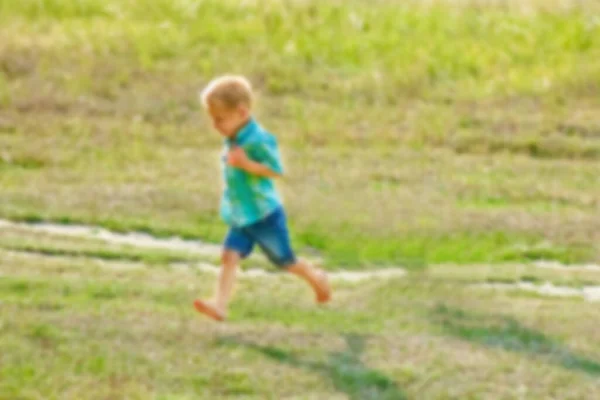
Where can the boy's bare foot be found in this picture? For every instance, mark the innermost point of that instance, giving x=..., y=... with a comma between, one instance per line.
x=207, y=308
x=324, y=292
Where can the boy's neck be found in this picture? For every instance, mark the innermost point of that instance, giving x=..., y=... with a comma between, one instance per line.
x=240, y=127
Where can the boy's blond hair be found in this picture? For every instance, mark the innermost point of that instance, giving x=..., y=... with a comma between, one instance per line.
x=230, y=91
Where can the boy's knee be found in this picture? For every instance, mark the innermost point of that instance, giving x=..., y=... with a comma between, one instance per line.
x=230, y=259
x=285, y=261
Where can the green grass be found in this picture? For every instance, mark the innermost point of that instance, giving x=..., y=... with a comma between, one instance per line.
x=25, y=240
x=72, y=329
x=512, y=273
x=54, y=245
x=413, y=133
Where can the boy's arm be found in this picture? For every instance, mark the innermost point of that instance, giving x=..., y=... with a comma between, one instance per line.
x=269, y=168
x=258, y=169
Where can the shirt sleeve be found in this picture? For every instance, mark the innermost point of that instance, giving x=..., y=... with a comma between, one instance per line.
x=266, y=152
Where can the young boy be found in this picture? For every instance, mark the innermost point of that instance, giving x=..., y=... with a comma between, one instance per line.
x=250, y=203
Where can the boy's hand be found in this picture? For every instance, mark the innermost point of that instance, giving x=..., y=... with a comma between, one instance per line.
x=237, y=158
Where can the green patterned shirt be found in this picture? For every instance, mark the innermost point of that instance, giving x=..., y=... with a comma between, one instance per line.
x=247, y=198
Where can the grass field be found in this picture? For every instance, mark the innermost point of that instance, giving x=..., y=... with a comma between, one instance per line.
x=426, y=132
x=457, y=139
x=74, y=328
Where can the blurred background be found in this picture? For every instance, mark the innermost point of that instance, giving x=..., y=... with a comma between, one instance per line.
x=459, y=135
x=425, y=131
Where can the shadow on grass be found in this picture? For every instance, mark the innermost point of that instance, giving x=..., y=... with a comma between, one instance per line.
x=509, y=334
x=345, y=369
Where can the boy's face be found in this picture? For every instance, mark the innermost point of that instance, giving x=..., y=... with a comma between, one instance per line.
x=227, y=121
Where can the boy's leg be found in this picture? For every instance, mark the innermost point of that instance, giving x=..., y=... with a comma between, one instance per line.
x=237, y=247
x=273, y=238
x=230, y=261
x=316, y=278
x=217, y=307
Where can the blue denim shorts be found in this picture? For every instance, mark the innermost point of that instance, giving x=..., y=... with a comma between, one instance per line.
x=270, y=234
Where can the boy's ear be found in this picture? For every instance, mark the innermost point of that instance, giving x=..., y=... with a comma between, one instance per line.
x=244, y=111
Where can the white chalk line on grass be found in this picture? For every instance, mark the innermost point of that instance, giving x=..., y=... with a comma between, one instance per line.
x=562, y=267
x=211, y=250
x=346, y=276
x=588, y=293
x=178, y=244
x=134, y=239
